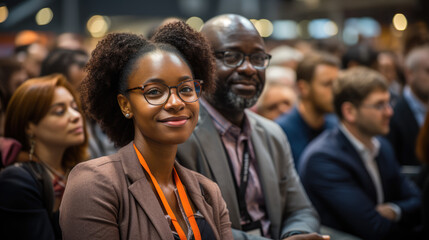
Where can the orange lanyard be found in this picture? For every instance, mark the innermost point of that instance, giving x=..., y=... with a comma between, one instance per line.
x=183, y=199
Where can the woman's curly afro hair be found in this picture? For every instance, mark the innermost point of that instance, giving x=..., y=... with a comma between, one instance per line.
x=108, y=71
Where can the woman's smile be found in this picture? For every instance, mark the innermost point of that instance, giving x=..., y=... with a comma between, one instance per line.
x=178, y=121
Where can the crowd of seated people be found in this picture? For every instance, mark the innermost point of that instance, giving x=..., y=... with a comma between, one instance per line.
x=213, y=134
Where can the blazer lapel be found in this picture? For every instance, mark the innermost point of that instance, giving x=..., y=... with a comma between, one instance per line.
x=141, y=190
x=217, y=161
x=267, y=174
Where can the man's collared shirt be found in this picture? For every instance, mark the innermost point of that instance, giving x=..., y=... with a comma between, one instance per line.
x=417, y=107
x=234, y=138
x=368, y=158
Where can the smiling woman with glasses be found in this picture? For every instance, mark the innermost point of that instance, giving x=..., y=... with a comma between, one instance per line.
x=144, y=94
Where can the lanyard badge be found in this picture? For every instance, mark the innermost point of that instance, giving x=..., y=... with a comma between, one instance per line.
x=183, y=199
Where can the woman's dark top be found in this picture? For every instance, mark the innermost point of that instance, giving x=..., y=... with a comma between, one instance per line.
x=23, y=209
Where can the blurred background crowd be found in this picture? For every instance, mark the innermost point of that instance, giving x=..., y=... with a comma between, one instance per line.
x=42, y=37
x=376, y=33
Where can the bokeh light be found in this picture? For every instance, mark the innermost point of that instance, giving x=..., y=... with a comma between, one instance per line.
x=322, y=28
x=400, y=22
x=98, y=25
x=44, y=16
x=195, y=22
x=264, y=27
x=4, y=13
x=355, y=27
x=285, y=29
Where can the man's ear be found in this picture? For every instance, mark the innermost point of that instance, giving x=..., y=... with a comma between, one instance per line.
x=125, y=105
x=349, y=112
x=303, y=88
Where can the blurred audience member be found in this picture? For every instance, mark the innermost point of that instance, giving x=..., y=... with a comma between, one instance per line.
x=388, y=66
x=303, y=46
x=316, y=74
x=279, y=95
x=71, y=63
x=12, y=75
x=416, y=34
x=285, y=56
x=31, y=56
x=72, y=41
x=44, y=116
x=422, y=152
x=411, y=109
x=275, y=100
x=332, y=46
x=281, y=75
x=351, y=175
x=361, y=54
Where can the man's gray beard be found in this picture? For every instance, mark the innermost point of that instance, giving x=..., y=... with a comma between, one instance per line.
x=239, y=103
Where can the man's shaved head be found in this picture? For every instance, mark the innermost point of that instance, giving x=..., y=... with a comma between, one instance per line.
x=237, y=87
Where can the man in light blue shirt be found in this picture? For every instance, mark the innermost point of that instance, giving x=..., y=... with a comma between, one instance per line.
x=410, y=111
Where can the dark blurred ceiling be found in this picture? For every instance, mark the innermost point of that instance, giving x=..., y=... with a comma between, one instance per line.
x=72, y=15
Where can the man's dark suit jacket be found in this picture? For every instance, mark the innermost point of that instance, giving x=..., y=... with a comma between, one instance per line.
x=288, y=206
x=403, y=133
x=343, y=193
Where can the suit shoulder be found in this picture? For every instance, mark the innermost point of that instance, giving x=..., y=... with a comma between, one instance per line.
x=269, y=126
x=326, y=143
x=94, y=168
x=19, y=189
x=287, y=120
x=401, y=108
x=326, y=140
x=16, y=175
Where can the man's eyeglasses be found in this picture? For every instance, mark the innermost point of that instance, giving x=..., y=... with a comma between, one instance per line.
x=157, y=93
x=382, y=106
x=259, y=60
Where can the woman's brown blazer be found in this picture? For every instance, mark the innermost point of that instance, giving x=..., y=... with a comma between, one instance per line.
x=111, y=198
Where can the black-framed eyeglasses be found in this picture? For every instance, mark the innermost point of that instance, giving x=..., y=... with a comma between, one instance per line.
x=259, y=60
x=157, y=93
x=378, y=106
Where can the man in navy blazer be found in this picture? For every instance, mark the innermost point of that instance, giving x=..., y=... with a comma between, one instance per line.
x=352, y=176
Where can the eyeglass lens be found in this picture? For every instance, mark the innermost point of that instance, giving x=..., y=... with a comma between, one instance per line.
x=158, y=93
x=234, y=58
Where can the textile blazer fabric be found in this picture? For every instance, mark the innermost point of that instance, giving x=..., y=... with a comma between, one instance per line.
x=287, y=204
x=343, y=193
x=403, y=133
x=111, y=198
